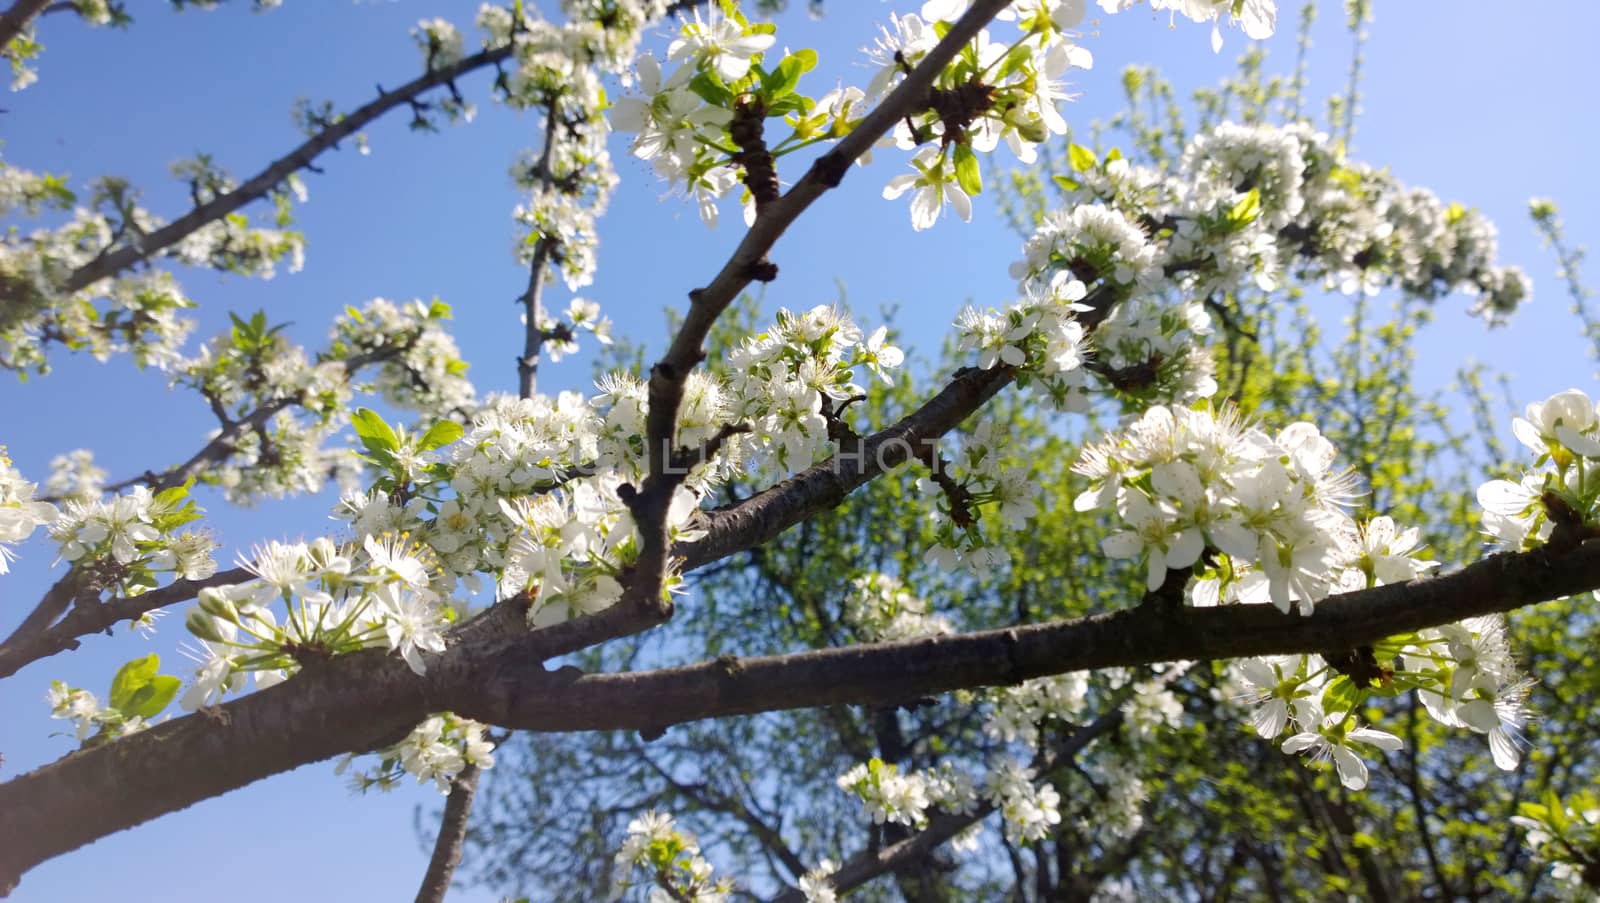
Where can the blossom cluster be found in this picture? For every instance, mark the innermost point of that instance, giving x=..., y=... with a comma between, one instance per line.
x=20, y=512
x=701, y=125
x=279, y=406
x=974, y=496
x=135, y=313
x=1255, y=517
x=119, y=544
x=671, y=860
x=436, y=750
x=558, y=70
x=884, y=610
x=1028, y=807
x=581, y=315
x=1257, y=203
x=791, y=381
x=1563, y=489
x=1464, y=674
x=787, y=387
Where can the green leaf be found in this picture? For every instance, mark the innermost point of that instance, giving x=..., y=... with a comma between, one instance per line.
x=1247, y=209
x=130, y=677
x=968, y=175
x=373, y=432
x=1066, y=183
x=711, y=90
x=789, y=103
x=174, y=496
x=150, y=699
x=439, y=435
x=1082, y=158
x=782, y=81
x=1019, y=56
x=1342, y=695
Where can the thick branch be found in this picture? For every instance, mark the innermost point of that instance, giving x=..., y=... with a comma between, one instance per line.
x=24, y=647
x=363, y=701
x=452, y=833
x=119, y=259
x=354, y=703
x=888, y=673
x=15, y=19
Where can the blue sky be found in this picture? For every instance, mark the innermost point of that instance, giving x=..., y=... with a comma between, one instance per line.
x=1482, y=102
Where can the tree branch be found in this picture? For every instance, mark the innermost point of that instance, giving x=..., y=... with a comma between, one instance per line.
x=532, y=299
x=24, y=647
x=365, y=700
x=649, y=502
x=355, y=703
x=452, y=832
x=15, y=19
x=760, y=518
x=116, y=260
x=887, y=673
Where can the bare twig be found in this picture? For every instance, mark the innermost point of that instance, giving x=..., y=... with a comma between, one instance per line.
x=452, y=834
x=27, y=645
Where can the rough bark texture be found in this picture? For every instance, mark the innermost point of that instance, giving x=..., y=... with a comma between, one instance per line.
x=886, y=673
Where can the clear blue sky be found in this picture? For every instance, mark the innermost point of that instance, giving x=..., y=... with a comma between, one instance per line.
x=1486, y=103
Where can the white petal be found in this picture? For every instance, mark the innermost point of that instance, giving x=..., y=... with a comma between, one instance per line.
x=1504, y=749
x=1372, y=737
x=1504, y=497
x=1301, y=742
x=1352, y=771
x=1122, y=545
x=1528, y=435
x=1186, y=549
x=1270, y=718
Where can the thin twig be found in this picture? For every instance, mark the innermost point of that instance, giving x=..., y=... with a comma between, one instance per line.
x=452, y=835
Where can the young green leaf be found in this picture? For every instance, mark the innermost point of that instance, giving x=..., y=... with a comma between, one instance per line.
x=1082, y=158
x=1246, y=210
x=373, y=432
x=130, y=677
x=439, y=435
x=150, y=699
x=968, y=175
